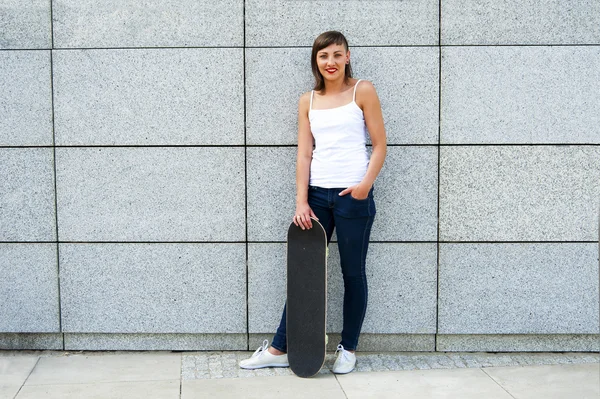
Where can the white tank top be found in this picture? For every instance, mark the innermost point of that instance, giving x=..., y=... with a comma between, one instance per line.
x=340, y=157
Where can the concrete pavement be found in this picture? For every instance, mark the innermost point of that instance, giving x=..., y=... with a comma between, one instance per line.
x=166, y=375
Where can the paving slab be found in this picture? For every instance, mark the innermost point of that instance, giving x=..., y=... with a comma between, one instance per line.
x=580, y=381
x=14, y=370
x=8, y=391
x=92, y=369
x=321, y=386
x=13, y=373
x=167, y=375
x=118, y=390
x=422, y=384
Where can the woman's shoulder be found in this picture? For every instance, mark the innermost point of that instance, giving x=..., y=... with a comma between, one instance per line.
x=304, y=99
x=365, y=92
x=364, y=86
x=305, y=96
x=304, y=103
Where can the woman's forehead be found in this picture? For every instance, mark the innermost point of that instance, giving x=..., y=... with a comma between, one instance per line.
x=332, y=48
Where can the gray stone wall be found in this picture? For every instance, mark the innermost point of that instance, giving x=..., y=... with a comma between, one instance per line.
x=147, y=157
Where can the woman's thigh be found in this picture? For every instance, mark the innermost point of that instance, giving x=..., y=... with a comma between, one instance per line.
x=353, y=220
x=318, y=202
x=353, y=241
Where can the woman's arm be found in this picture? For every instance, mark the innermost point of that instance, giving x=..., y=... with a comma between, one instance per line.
x=368, y=100
x=304, y=157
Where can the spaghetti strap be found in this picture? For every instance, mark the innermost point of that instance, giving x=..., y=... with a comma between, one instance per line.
x=311, y=96
x=354, y=95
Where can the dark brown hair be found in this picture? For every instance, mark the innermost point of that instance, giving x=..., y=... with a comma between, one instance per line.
x=324, y=40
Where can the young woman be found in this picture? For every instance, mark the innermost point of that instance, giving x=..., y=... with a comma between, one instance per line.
x=334, y=183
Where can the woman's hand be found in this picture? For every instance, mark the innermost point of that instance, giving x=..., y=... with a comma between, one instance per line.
x=358, y=191
x=303, y=215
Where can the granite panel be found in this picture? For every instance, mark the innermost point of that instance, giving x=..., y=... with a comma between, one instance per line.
x=501, y=288
x=405, y=194
x=518, y=342
x=519, y=193
x=29, y=288
x=32, y=341
x=267, y=275
x=394, y=342
x=153, y=288
x=27, y=211
x=364, y=23
x=25, y=24
x=490, y=22
x=401, y=278
x=271, y=187
x=407, y=88
x=130, y=23
x=272, y=102
x=542, y=94
x=25, y=98
x=407, y=82
x=149, y=97
x=369, y=342
x=402, y=281
x=156, y=342
x=151, y=194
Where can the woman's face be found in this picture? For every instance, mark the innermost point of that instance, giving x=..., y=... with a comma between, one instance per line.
x=332, y=61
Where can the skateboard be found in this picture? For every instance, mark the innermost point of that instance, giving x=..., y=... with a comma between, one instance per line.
x=306, y=298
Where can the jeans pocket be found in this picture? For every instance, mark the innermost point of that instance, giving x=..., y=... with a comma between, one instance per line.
x=350, y=207
x=359, y=200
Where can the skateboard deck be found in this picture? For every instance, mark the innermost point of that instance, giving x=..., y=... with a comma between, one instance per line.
x=306, y=298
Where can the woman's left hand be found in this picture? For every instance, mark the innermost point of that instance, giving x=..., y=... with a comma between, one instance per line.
x=359, y=192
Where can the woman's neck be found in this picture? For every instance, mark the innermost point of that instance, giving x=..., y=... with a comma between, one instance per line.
x=335, y=87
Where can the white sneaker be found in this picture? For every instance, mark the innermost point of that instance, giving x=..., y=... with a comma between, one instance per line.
x=263, y=358
x=345, y=362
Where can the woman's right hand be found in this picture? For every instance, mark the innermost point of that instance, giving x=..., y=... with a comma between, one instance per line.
x=303, y=215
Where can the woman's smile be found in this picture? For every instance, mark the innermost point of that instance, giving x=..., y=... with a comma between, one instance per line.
x=332, y=61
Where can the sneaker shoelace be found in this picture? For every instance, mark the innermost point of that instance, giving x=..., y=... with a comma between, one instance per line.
x=345, y=357
x=261, y=349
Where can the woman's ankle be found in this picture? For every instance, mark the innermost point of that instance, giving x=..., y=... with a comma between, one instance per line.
x=275, y=352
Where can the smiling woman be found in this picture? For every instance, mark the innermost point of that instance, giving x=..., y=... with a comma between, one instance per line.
x=321, y=59
x=334, y=183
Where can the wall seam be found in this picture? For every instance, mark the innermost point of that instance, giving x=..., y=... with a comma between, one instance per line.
x=60, y=327
x=246, y=182
x=333, y=241
x=293, y=47
x=294, y=145
x=437, y=279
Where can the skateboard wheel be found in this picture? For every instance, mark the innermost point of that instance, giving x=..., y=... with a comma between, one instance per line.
x=326, y=339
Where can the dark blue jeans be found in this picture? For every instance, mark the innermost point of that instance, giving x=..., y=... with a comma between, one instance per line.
x=353, y=220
